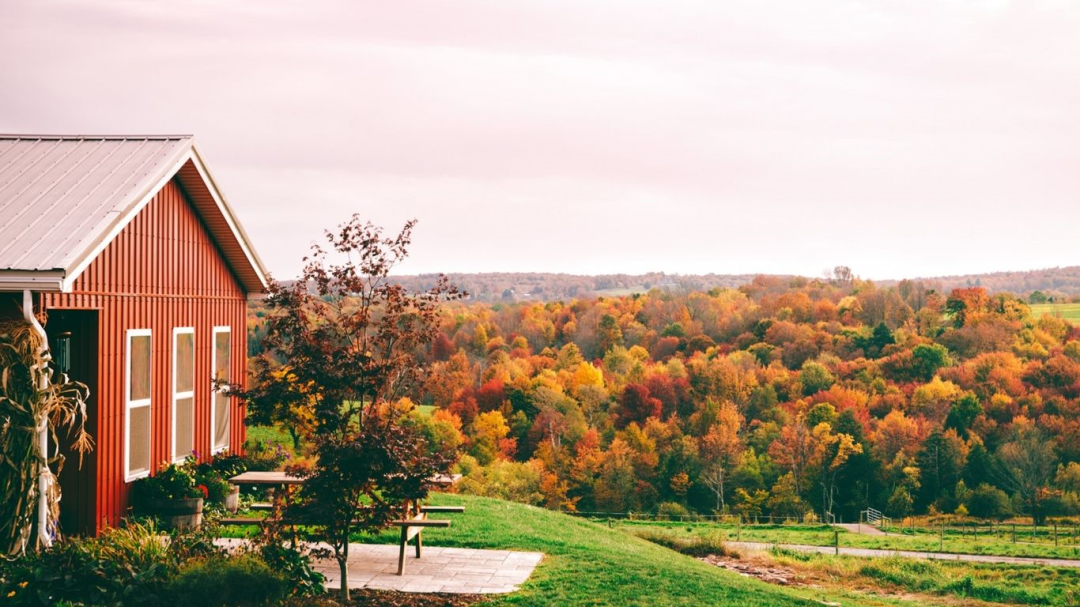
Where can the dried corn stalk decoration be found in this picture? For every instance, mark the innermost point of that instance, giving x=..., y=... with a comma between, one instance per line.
x=30, y=400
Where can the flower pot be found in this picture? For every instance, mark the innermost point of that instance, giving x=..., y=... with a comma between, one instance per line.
x=232, y=498
x=180, y=513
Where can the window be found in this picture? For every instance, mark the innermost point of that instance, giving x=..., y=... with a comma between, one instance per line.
x=219, y=415
x=137, y=394
x=183, y=393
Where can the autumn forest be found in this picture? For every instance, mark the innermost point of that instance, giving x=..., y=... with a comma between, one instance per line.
x=789, y=397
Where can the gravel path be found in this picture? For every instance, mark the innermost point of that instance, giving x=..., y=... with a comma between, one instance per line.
x=863, y=529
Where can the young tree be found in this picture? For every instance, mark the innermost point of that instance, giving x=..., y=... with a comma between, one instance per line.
x=349, y=338
x=836, y=449
x=1026, y=465
x=795, y=450
x=721, y=449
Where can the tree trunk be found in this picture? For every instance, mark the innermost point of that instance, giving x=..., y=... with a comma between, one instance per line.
x=295, y=436
x=723, y=506
x=343, y=566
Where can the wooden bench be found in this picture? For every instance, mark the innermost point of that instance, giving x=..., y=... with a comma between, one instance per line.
x=411, y=528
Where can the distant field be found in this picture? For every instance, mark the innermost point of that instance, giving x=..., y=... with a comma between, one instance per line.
x=1068, y=311
x=621, y=292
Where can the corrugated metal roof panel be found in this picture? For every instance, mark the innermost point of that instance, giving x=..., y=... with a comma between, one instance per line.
x=56, y=192
x=63, y=197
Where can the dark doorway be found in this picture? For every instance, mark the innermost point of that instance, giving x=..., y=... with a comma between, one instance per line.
x=73, y=340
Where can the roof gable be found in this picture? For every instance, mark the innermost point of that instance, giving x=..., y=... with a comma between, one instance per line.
x=63, y=199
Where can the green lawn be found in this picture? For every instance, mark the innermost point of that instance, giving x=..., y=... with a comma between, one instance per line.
x=587, y=563
x=1068, y=311
x=821, y=535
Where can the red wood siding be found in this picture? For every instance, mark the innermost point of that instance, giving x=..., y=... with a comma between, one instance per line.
x=162, y=271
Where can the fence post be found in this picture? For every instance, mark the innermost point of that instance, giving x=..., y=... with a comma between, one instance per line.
x=941, y=540
x=738, y=529
x=1055, y=534
x=1014, y=533
x=836, y=541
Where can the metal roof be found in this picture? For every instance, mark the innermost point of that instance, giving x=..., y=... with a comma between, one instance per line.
x=63, y=199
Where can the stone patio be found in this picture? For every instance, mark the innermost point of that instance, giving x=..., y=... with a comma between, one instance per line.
x=451, y=570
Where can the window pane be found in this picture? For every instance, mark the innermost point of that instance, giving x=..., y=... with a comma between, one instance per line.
x=185, y=426
x=139, y=445
x=221, y=420
x=185, y=362
x=221, y=402
x=140, y=367
x=221, y=356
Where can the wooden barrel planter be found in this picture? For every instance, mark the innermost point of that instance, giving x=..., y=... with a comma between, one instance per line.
x=232, y=498
x=178, y=514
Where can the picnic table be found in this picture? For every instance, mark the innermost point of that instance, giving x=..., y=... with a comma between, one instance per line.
x=412, y=524
x=281, y=485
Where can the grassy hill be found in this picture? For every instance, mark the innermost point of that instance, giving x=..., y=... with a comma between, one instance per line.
x=587, y=563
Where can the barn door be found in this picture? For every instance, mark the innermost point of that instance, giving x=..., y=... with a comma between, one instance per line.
x=73, y=340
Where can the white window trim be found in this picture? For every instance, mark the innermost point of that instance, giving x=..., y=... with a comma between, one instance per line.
x=129, y=405
x=176, y=332
x=214, y=449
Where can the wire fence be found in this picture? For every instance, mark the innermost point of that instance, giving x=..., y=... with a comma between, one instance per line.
x=1065, y=532
x=1060, y=532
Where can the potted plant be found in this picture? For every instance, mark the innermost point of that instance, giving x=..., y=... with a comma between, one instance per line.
x=173, y=495
x=214, y=477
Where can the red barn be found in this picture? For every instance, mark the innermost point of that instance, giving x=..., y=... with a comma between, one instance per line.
x=142, y=267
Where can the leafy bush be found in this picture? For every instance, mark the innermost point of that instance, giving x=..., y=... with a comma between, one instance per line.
x=129, y=565
x=264, y=457
x=243, y=581
x=987, y=501
x=673, y=511
x=295, y=566
x=136, y=566
x=228, y=465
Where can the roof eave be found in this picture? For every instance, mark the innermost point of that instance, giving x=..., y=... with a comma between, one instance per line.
x=234, y=224
x=21, y=280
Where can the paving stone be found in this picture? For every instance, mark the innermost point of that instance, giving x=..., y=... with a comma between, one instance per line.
x=451, y=570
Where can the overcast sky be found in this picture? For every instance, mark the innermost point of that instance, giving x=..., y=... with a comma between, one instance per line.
x=901, y=138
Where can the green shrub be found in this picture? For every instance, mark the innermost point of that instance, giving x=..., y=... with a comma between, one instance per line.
x=673, y=511
x=295, y=566
x=228, y=465
x=987, y=501
x=240, y=581
x=266, y=456
x=129, y=565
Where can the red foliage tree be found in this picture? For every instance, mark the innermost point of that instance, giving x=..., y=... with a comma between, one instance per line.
x=637, y=405
x=491, y=395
